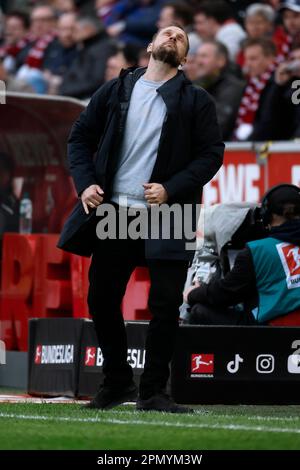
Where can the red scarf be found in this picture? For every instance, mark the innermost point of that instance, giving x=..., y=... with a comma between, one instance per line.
x=250, y=102
x=36, y=54
x=283, y=43
x=14, y=49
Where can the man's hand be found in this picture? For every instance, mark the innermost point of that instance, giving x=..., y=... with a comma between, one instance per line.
x=155, y=193
x=189, y=289
x=116, y=28
x=91, y=197
x=282, y=75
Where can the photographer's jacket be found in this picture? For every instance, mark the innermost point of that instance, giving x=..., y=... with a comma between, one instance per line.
x=265, y=277
x=190, y=153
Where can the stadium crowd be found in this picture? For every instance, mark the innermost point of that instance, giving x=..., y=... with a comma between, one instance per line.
x=245, y=54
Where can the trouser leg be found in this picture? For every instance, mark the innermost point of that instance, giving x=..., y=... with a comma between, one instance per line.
x=109, y=274
x=165, y=297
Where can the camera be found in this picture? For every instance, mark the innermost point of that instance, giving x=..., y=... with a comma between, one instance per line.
x=293, y=66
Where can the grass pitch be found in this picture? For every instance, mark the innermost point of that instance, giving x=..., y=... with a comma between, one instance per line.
x=68, y=426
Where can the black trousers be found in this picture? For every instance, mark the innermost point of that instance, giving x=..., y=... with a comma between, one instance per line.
x=112, y=264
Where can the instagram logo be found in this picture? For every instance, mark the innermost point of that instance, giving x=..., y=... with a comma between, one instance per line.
x=265, y=363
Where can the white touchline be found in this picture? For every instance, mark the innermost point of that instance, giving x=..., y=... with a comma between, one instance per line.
x=230, y=427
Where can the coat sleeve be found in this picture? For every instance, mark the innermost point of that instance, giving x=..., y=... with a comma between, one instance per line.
x=237, y=286
x=84, y=139
x=208, y=150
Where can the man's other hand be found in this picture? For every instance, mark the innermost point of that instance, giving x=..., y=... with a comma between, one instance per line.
x=155, y=193
x=189, y=289
x=91, y=197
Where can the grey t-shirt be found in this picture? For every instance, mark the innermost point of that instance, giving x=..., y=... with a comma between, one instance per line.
x=144, y=122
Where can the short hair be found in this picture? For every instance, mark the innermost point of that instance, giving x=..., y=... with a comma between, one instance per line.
x=170, y=26
x=45, y=4
x=267, y=45
x=221, y=49
x=91, y=21
x=21, y=15
x=219, y=10
x=130, y=52
x=266, y=11
x=182, y=11
x=291, y=211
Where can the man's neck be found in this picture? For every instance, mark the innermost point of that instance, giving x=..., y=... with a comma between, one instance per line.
x=158, y=71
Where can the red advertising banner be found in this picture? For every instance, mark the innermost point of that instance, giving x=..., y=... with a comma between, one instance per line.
x=250, y=169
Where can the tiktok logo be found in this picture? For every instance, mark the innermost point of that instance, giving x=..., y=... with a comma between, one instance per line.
x=233, y=366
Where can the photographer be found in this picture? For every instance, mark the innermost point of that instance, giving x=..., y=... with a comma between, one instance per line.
x=266, y=274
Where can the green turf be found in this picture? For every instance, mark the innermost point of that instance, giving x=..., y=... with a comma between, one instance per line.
x=56, y=426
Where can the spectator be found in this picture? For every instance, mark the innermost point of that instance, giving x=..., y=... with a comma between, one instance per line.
x=259, y=66
x=213, y=20
x=16, y=40
x=43, y=24
x=281, y=117
x=190, y=67
x=291, y=19
x=134, y=21
x=259, y=21
x=124, y=58
x=181, y=14
x=43, y=20
x=87, y=71
x=64, y=6
x=225, y=88
x=61, y=52
x=16, y=27
x=105, y=10
x=262, y=277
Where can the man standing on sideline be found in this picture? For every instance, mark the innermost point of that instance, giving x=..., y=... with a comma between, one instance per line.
x=158, y=142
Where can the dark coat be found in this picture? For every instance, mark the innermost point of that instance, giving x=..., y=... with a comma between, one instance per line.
x=58, y=59
x=227, y=92
x=189, y=155
x=86, y=73
x=277, y=118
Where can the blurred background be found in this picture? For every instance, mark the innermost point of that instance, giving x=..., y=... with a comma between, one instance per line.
x=245, y=54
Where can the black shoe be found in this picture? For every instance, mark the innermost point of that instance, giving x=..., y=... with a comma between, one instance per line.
x=108, y=397
x=161, y=402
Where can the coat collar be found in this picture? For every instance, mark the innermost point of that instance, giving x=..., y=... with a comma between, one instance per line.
x=169, y=91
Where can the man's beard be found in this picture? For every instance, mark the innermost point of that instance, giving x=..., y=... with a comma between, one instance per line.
x=166, y=55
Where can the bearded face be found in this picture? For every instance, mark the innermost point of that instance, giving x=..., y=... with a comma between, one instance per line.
x=167, y=53
x=170, y=46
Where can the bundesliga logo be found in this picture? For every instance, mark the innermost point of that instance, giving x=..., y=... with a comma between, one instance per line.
x=290, y=258
x=93, y=357
x=90, y=356
x=38, y=354
x=54, y=354
x=202, y=365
